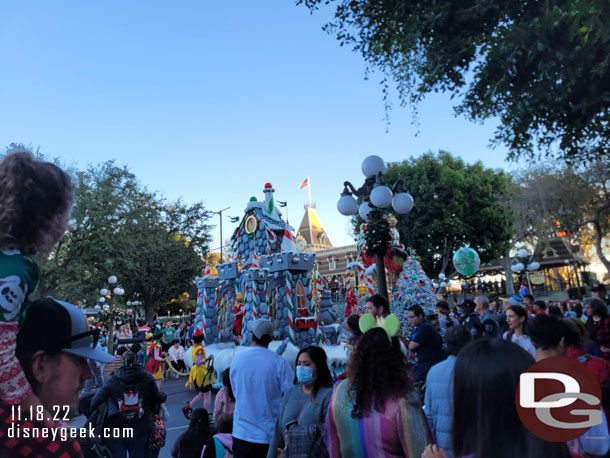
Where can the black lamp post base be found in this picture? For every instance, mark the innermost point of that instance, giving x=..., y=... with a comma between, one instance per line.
x=382, y=287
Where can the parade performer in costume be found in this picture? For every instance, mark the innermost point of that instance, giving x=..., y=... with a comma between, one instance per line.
x=238, y=314
x=155, y=355
x=351, y=303
x=147, y=347
x=198, y=377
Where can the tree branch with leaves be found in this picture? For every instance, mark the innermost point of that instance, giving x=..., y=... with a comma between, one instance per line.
x=542, y=68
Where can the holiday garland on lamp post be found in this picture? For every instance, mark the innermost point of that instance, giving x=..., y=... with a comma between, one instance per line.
x=377, y=236
x=374, y=196
x=105, y=316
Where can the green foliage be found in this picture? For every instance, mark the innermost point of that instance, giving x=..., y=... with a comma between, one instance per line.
x=119, y=228
x=541, y=67
x=456, y=204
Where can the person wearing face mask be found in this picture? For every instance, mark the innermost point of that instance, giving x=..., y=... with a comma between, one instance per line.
x=304, y=406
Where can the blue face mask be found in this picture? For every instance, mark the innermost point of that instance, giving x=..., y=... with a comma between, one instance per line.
x=304, y=375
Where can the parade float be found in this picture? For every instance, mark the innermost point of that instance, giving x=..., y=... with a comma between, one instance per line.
x=267, y=278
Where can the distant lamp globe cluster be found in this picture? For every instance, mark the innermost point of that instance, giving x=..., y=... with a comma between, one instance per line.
x=375, y=193
x=105, y=293
x=523, y=264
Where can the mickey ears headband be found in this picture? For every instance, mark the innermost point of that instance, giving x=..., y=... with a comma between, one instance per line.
x=389, y=324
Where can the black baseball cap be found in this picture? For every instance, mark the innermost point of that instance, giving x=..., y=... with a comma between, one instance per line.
x=53, y=326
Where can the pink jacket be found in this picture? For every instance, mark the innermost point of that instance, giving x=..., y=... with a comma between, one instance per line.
x=223, y=404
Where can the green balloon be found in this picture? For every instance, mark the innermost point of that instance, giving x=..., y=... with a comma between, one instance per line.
x=466, y=261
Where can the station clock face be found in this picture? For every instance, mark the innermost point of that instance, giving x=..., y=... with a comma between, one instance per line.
x=251, y=224
x=301, y=243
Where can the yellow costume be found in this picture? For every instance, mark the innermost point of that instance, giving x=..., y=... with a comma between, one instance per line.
x=198, y=373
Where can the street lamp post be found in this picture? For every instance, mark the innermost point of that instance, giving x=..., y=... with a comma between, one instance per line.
x=525, y=263
x=375, y=197
x=111, y=292
x=442, y=284
x=219, y=213
x=136, y=305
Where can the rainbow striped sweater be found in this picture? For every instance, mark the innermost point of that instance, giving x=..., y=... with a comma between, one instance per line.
x=400, y=430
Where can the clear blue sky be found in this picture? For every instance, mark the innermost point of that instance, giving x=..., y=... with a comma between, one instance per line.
x=208, y=100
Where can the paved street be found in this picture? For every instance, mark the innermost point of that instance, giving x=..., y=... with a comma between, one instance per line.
x=177, y=395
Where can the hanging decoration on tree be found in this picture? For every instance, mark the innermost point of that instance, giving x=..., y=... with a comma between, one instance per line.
x=413, y=288
x=466, y=261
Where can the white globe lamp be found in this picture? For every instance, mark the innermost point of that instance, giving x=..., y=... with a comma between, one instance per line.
x=381, y=196
x=533, y=266
x=402, y=203
x=372, y=165
x=522, y=253
x=347, y=205
x=518, y=267
x=364, y=211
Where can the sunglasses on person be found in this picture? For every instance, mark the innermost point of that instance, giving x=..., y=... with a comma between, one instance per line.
x=94, y=334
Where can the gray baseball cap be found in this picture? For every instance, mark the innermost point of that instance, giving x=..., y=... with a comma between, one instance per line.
x=53, y=326
x=262, y=327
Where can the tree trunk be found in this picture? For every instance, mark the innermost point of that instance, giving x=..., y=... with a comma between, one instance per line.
x=150, y=313
x=508, y=275
x=599, y=247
